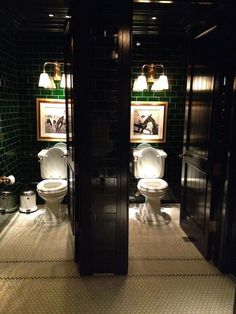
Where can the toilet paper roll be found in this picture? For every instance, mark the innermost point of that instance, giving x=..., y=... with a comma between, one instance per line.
x=12, y=179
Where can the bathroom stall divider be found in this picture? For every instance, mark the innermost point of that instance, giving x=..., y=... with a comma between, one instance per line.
x=98, y=37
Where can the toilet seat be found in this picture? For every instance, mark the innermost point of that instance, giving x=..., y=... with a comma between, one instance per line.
x=152, y=185
x=52, y=185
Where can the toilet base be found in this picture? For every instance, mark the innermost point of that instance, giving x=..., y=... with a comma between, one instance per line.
x=54, y=213
x=150, y=212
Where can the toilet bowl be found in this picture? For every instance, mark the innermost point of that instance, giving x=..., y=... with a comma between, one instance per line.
x=53, y=189
x=149, y=166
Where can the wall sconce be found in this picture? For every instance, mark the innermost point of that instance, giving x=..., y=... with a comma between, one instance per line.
x=47, y=81
x=141, y=83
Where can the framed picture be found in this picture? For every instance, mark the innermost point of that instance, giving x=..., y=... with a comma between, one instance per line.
x=148, y=121
x=51, y=120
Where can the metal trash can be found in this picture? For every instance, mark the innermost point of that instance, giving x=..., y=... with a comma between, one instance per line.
x=8, y=202
x=28, y=202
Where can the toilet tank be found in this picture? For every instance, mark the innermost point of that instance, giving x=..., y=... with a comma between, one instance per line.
x=149, y=163
x=53, y=163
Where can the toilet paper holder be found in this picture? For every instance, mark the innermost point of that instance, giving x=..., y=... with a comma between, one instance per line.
x=7, y=180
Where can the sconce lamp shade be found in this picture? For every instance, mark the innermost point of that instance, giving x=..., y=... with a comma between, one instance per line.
x=44, y=80
x=65, y=81
x=140, y=84
x=161, y=83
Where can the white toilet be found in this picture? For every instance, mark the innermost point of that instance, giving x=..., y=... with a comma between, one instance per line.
x=149, y=164
x=53, y=189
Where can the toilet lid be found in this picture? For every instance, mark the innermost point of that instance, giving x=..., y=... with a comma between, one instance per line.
x=152, y=184
x=60, y=145
x=54, y=165
x=150, y=165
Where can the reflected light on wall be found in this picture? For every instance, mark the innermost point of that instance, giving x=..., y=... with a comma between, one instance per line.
x=234, y=86
x=202, y=83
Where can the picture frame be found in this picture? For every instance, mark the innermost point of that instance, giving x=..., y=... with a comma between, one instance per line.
x=148, y=121
x=51, y=119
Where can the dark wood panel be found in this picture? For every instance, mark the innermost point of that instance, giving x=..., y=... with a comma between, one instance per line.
x=101, y=64
x=208, y=143
x=196, y=212
x=80, y=27
x=124, y=52
x=196, y=168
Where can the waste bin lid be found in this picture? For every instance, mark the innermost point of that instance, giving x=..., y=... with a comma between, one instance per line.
x=27, y=192
x=6, y=193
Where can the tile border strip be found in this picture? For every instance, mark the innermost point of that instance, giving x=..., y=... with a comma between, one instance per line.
x=36, y=261
x=137, y=258
x=8, y=278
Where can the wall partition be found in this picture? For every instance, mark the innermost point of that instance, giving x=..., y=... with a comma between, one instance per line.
x=101, y=91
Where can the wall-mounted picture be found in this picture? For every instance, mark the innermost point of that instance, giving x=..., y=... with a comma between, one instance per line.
x=148, y=121
x=51, y=120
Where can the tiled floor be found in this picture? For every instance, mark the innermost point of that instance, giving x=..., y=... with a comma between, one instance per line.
x=166, y=273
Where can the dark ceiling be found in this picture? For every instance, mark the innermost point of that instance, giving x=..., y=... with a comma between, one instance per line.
x=172, y=17
x=33, y=15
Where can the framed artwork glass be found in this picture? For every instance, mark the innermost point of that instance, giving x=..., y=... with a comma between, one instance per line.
x=148, y=121
x=51, y=119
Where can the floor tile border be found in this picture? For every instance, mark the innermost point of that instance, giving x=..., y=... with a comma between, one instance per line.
x=9, y=278
x=137, y=258
x=36, y=261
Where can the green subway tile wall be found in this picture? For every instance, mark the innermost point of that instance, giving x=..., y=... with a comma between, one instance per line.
x=10, y=139
x=172, y=53
x=33, y=50
x=22, y=56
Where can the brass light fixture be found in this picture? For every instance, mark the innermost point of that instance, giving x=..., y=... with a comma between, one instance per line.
x=141, y=83
x=47, y=81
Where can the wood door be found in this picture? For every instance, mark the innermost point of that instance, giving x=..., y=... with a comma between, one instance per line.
x=198, y=164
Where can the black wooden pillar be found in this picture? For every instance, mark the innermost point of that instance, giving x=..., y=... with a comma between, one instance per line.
x=101, y=94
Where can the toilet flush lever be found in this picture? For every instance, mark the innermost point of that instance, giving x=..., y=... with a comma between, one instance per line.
x=65, y=155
